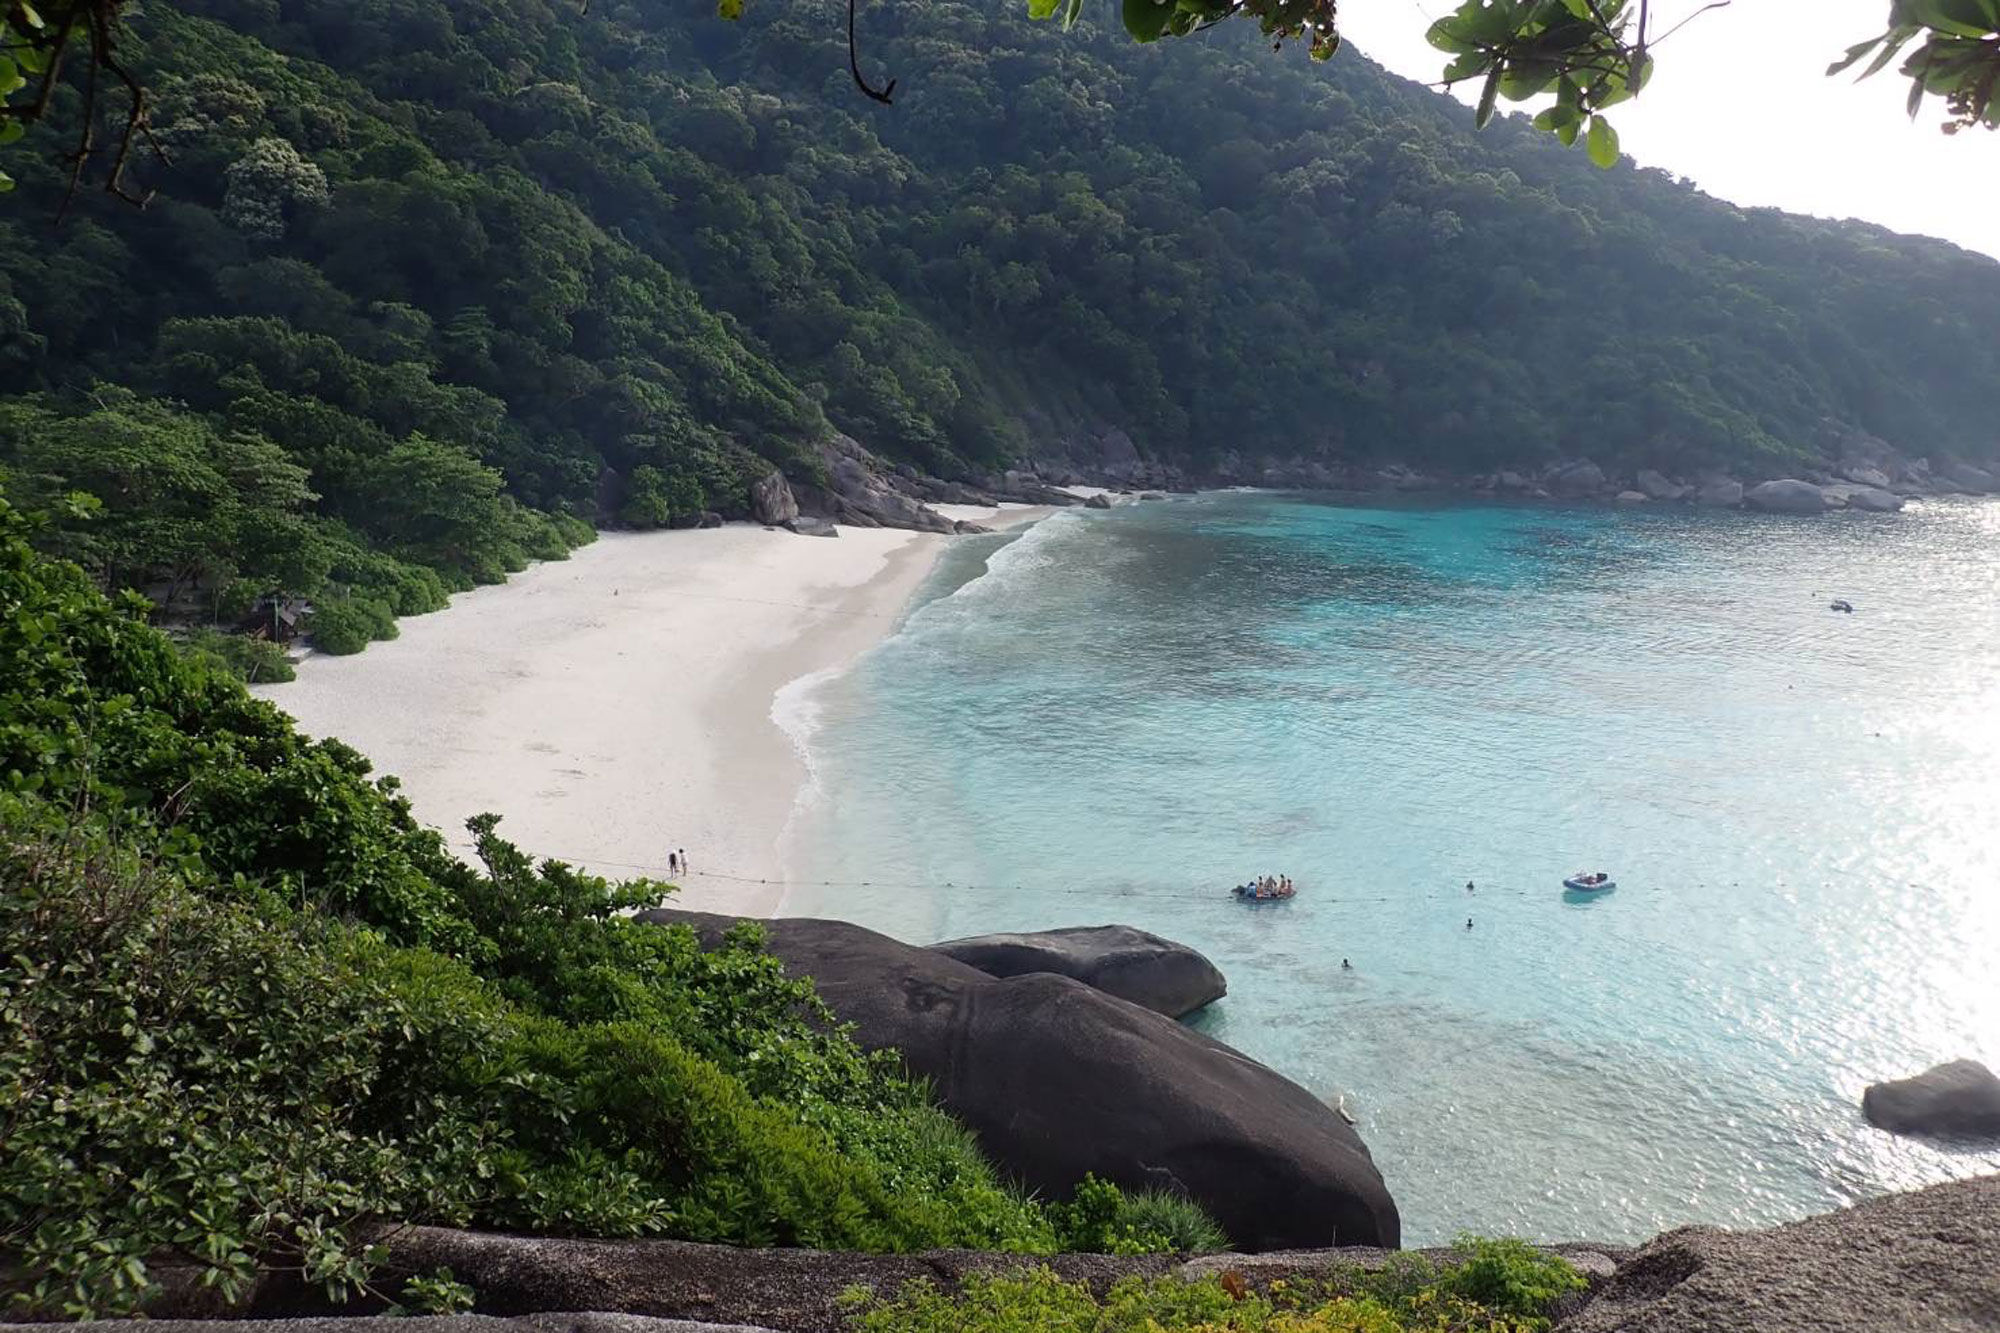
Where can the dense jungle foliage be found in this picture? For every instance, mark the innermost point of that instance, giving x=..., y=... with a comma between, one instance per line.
x=250, y=1012
x=430, y=286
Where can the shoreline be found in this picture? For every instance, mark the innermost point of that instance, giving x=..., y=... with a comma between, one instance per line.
x=618, y=705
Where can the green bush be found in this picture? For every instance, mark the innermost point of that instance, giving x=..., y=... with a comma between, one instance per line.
x=349, y=624
x=1038, y=1301
x=1102, y=1219
x=257, y=661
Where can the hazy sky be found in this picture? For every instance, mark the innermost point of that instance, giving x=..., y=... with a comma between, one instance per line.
x=1741, y=105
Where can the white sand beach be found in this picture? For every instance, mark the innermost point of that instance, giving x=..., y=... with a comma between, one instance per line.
x=616, y=706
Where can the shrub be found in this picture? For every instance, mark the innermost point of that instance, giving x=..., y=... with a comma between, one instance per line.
x=256, y=661
x=1101, y=1219
x=347, y=625
x=1038, y=1301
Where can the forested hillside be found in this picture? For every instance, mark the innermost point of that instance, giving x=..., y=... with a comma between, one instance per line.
x=430, y=285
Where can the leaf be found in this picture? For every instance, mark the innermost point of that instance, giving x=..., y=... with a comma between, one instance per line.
x=1602, y=144
x=1487, y=95
x=1042, y=9
x=729, y=9
x=1147, y=19
x=1444, y=36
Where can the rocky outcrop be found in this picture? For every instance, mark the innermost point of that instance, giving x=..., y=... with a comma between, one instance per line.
x=1057, y=1080
x=864, y=492
x=1863, y=475
x=771, y=500
x=1848, y=495
x=1658, y=487
x=1786, y=496
x=1927, y=1262
x=1098, y=501
x=809, y=526
x=1134, y=965
x=1720, y=493
x=1960, y=1099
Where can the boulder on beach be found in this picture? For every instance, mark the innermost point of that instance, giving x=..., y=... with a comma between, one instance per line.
x=1058, y=1080
x=1658, y=487
x=1098, y=501
x=808, y=526
x=965, y=527
x=1864, y=475
x=1923, y=1261
x=1721, y=493
x=771, y=500
x=1786, y=496
x=1957, y=1100
x=1510, y=481
x=1633, y=497
x=1874, y=500
x=1134, y=965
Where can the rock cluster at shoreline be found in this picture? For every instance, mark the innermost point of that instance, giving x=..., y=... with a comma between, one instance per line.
x=1057, y=1079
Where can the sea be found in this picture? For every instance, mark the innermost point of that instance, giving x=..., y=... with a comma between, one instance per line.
x=1427, y=714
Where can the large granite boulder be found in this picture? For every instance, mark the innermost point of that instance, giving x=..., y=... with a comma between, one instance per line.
x=1864, y=475
x=1057, y=1079
x=1134, y=965
x=1098, y=501
x=1633, y=497
x=1576, y=480
x=1721, y=493
x=1874, y=499
x=1927, y=1262
x=1657, y=487
x=771, y=500
x=1786, y=496
x=1960, y=1099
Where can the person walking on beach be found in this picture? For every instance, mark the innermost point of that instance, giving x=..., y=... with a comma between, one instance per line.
x=684, y=862
x=673, y=863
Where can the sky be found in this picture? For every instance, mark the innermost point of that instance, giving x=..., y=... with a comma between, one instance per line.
x=1741, y=105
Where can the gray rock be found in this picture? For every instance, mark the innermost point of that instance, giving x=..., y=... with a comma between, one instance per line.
x=1057, y=1079
x=1863, y=475
x=1786, y=496
x=708, y=518
x=966, y=527
x=1099, y=501
x=1658, y=487
x=1134, y=965
x=807, y=526
x=1633, y=498
x=1874, y=500
x=1510, y=481
x=1960, y=1099
x=1927, y=1262
x=771, y=500
x=1151, y=495
x=1721, y=493
x=1576, y=480
x=1966, y=477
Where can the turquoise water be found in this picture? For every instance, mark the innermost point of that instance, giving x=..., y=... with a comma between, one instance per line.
x=1115, y=716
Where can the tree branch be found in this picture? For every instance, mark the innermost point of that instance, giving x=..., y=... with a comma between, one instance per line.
x=881, y=95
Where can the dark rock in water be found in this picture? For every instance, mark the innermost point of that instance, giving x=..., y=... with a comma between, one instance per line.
x=966, y=527
x=771, y=500
x=1099, y=501
x=1786, y=496
x=1057, y=1079
x=1966, y=477
x=807, y=526
x=1151, y=495
x=1960, y=1099
x=1927, y=1262
x=1163, y=976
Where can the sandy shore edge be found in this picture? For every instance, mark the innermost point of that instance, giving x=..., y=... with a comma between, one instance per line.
x=616, y=707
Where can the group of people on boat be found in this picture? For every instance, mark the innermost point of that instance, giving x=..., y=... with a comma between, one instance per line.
x=1590, y=881
x=1266, y=886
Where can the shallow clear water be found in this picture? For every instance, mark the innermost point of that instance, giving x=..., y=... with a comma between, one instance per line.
x=1115, y=716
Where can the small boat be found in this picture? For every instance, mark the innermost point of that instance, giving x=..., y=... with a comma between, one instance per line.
x=1843, y=605
x=1582, y=883
x=1250, y=893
